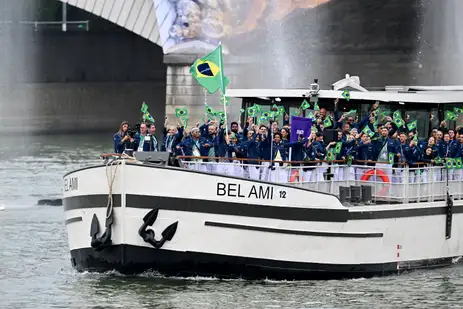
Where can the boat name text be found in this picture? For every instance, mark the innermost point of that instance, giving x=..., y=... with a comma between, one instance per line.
x=71, y=184
x=256, y=191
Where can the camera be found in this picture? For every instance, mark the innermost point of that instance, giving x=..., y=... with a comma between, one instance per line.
x=131, y=132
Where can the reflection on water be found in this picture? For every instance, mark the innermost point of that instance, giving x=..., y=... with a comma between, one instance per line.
x=35, y=268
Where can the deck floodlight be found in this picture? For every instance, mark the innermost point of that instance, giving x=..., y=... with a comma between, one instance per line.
x=314, y=87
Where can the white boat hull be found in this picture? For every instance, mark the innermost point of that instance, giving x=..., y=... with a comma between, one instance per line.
x=232, y=227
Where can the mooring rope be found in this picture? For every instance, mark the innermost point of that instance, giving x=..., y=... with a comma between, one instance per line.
x=111, y=177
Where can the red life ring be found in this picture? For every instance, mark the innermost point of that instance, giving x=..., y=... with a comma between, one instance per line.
x=381, y=175
x=294, y=176
x=378, y=173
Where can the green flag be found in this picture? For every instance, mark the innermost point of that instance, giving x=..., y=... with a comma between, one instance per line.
x=412, y=125
x=327, y=122
x=450, y=115
x=210, y=111
x=390, y=158
x=225, y=100
x=311, y=116
x=242, y=110
x=305, y=105
x=458, y=110
x=316, y=107
x=147, y=117
x=144, y=108
x=266, y=114
x=350, y=113
x=366, y=130
x=208, y=71
x=338, y=148
x=449, y=163
x=458, y=163
x=221, y=115
x=181, y=112
x=281, y=110
x=346, y=94
x=330, y=155
x=252, y=111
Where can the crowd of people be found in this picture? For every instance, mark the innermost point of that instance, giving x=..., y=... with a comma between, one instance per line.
x=261, y=151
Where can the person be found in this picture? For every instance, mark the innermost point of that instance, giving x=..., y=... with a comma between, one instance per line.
x=123, y=139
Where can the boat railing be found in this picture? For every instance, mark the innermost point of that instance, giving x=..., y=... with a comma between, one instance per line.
x=389, y=183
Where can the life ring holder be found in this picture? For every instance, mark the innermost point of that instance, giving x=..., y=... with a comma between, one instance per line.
x=366, y=176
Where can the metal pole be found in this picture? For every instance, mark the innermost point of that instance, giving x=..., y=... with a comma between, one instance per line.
x=64, y=25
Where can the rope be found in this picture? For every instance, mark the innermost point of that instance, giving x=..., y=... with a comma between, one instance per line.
x=111, y=177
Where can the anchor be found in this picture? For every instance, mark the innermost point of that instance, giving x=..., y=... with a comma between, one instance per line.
x=149, y=235
x=99, y=243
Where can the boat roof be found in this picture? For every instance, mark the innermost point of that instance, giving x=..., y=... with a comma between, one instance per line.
x=405, y=94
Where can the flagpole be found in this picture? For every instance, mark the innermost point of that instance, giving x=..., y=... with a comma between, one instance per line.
x=223, y=88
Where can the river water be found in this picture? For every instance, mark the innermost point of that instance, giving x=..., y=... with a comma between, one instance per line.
x=35, y=268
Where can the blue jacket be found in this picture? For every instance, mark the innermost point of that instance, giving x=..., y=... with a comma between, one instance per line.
x=366, y=152
x=120, y=146
x=188, y=144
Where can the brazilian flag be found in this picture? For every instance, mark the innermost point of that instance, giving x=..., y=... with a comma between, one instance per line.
x=438, y=160
x=266, y=114
x=221, y=115
x=147, y=117
x=390, y=158
x=346, y=94
x=281, y=110
x=252, y=111
x=338, y=148
x=144, y=108
x=449, y=163
x=366, y=130
x=181, y=112
x=327, y=122
x=458, y=163
x=412, y=125
x=305, y=105
x=330, y=155
x=208, y=71
x=450, y=115
x=210, y=111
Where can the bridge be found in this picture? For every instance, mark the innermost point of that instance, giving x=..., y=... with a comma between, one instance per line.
x=138, y=16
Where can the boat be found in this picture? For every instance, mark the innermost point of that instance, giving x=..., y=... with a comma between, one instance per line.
x=139, y=213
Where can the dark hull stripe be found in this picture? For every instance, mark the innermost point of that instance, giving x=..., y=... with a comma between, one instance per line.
x=72, y=220
x=129, y=259
x=90, y=201
x=251, y=210
x=402, y=213
x=237, y=209
x=292, y=232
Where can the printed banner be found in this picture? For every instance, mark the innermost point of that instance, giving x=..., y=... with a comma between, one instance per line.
x=300, y=126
